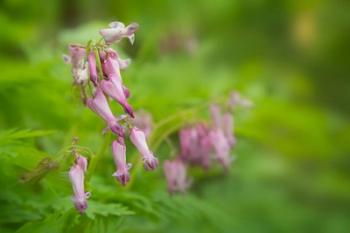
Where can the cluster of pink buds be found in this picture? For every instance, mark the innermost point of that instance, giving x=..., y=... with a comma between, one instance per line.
x=96, y=69
x=202, y=143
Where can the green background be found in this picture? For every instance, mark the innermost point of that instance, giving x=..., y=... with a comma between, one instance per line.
x=290, y=58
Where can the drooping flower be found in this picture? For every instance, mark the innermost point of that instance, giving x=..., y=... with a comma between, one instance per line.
x=205, y=147
x=225, y=122
x=228, y=128
x=221, y=147
x=92, y=68
x=110, y=64
x=77, y=55
x=189, y=141
x=82, y=162
x=196, y=145
x=99, y=105
x=113, y=87
x=176, y=175
x=120, y=63
x=76, y=58
x=117, y=31
x=119, y=155
x=76, y=175
x=138, y=138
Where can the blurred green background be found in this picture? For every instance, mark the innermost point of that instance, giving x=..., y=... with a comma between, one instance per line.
x=291, y=58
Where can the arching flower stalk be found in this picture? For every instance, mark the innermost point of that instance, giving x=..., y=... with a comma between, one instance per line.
x=96, y=70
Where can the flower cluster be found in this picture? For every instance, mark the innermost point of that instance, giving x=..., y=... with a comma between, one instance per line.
x=96, y=70
x=202, y=143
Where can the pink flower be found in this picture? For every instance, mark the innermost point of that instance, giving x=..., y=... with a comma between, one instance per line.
x=76, y=175
x=228, y=128
x=82, y=162
x=118, y=63
x=119, y=155
x=176, y=175
x=221, y=147
x=110, y=65
x=189, y=143
x=77, y=54
x=76, y=58
x=92, y=68
x=224, y=122
x=196, y=145
x=138, y=138
x=99, y=105
x=117, y=31
x=205, y=146
x=114, y=89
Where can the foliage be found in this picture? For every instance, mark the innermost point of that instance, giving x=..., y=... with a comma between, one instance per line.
x=292, y=172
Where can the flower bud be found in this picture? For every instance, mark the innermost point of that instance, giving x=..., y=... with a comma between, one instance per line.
x=92, y=68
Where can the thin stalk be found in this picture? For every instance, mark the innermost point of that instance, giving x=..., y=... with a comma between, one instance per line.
x=96, y=157
x=98, y=62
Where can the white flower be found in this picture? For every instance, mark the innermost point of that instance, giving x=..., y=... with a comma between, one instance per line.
x=118, y=31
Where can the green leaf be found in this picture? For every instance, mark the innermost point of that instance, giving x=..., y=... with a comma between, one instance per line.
x=106, y=209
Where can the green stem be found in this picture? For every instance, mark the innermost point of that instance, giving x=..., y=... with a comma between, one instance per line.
x=98, y=62
x=96, y=157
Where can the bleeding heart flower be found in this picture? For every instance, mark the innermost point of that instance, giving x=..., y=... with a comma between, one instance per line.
x=118, y=31
x=114, y=89
x=99, y=105
x=76, y=175
x=92, y=68
x=119, y=155
x=176, y=175
x=77, y=55
x=138, y=138
x=196, y=145
x=221, y=146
